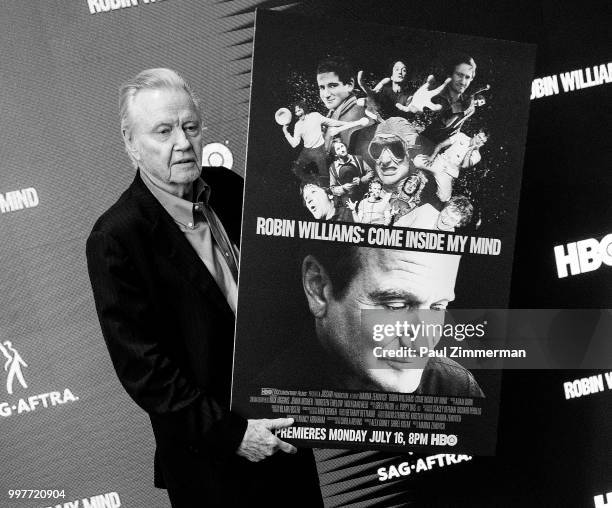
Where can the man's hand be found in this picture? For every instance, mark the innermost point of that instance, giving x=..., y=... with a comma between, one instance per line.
x=423, y=161
x=260, y=442
x=351, y=205
x=422, y=97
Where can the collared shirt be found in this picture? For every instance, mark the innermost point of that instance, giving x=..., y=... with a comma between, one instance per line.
x=198, y=234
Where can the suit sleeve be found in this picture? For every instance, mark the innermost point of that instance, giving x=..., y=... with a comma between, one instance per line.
x=179, y=410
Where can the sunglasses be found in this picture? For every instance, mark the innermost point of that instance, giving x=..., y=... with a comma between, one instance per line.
x=376, y=147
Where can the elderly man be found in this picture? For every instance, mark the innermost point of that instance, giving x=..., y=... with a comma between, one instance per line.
x=163, y=268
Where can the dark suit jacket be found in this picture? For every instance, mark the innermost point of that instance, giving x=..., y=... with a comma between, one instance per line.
x=170, y=335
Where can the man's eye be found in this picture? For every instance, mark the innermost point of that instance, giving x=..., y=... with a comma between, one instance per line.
x=396, y=305
x=164, y=131
x=192, y=128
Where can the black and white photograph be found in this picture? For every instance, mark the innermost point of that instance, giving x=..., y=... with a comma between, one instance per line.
x=385, y=181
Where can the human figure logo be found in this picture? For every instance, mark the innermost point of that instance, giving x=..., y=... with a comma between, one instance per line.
x=12, y=366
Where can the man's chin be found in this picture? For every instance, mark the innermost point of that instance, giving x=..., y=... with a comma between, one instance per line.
x=185, y=172
x=392, y=380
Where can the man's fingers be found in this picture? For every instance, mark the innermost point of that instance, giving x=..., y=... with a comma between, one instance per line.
x=278, y=423
x=441, y=87
x=435, y=107
x=429, y=81
x=286, y=447
x=361, y=84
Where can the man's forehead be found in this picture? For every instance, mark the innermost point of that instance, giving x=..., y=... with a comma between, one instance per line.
x=311, y=187
x=465, y=68
x=440, y=269
x=328, y=77
x=151, y=101
x=386, y=137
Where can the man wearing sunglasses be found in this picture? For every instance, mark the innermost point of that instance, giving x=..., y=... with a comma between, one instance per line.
x=394, y=142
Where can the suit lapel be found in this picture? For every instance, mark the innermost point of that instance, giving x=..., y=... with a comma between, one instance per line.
x=172, y=244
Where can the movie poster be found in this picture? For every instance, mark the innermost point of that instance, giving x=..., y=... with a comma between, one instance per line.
x=382, y=186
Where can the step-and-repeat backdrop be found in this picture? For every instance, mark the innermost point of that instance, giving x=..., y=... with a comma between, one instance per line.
x=67, y=428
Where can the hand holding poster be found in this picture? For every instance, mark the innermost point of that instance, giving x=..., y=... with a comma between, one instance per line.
x=395, y=194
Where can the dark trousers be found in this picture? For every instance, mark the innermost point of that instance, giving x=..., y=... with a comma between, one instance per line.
x=278, y=481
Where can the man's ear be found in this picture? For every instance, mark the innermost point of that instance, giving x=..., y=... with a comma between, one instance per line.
x=128, y=140
x=351, y=83
x=317, y=286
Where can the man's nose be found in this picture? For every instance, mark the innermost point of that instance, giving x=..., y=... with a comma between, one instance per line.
x=385, y=156
x=181, y=141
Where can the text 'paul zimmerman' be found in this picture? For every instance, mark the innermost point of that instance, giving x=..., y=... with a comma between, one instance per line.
x=431, y=332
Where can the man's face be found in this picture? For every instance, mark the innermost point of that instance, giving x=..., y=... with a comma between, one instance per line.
x=166, y=137
x=375, y=190
x=340, y=149
x=299, y=112
x=390, y=280
x=331, y=90
x=479, y=139
x=462, y=77
x=411, y=184
x=317, y=200
x=392, y=163
x=448, y=219
x=399, y=72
